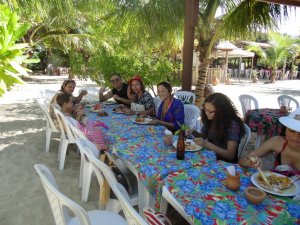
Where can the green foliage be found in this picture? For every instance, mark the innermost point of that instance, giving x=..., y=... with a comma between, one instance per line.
x=12, y=53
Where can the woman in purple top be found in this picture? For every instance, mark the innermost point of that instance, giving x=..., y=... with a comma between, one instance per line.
x=171, y=110
x=222, y=127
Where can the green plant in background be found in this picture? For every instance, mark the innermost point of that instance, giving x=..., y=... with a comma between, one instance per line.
x=12, y=54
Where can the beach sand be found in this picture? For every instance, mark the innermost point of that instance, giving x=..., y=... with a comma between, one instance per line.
x=22, y=144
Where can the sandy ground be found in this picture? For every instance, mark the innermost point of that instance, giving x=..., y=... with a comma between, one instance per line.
x=22, y=144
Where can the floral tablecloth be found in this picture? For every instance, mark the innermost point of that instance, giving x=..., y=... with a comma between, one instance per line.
x=154, y=161
x=206, y=200
x=264, y=121
x=119, y=126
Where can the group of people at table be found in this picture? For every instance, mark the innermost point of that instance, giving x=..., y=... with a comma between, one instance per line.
x=222, y=128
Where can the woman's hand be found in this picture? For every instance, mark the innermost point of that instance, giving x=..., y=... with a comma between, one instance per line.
x=254, y=161
x=155, y=121
x=83, y=93
x=200, y=141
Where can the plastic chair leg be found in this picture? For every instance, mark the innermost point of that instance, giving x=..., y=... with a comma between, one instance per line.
x=86, y=183
x=63, y=152
x=48, y=138
x=60, y=145
x=82, y=162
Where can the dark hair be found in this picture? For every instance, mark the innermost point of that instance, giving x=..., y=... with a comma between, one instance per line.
x=224, y=115
x=167, y=85
x=142, y=84
x=65, y=83
x=63, y=98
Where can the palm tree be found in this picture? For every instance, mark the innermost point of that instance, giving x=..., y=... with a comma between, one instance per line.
x=282, y=49
x=241, y=18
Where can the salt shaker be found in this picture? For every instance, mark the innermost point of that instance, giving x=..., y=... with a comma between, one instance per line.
x=168, y=138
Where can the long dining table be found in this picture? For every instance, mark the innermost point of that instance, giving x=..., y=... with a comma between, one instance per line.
x=196, y=183
x=142, y=148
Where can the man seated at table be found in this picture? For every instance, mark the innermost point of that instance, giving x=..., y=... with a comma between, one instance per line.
x=120, y=91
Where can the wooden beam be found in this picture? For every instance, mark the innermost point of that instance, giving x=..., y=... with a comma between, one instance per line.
x=190, y=22
x=283, y=2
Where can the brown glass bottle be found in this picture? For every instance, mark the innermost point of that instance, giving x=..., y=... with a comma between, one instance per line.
x=180, y=146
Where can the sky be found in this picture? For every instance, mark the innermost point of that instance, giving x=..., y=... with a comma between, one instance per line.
x=292, y=24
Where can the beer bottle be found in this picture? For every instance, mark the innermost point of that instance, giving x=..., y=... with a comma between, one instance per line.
x=180, y=146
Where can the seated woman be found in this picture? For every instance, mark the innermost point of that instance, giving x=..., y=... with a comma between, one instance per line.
x=171, y=110
x=286, y=148
x=142, y=97
x=222, y=127
x=67, y=87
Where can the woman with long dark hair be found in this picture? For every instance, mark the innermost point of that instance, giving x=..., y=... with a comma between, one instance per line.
x=222, y=127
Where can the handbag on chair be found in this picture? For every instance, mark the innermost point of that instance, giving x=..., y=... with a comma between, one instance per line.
x=156, y=218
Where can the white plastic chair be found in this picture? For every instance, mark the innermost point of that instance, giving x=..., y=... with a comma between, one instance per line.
x=101, y=170
x=66, y=138
x=47, y=95
x=61, y=205
x=157, y=102
x=50, y=127
x=191, y=115
x=131, y=215
x=185, y=96
x=245, y=140
x=287, y=101
x=248, y=102
x=87, y=150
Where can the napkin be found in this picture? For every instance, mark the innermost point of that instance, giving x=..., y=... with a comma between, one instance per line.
x=231, y=170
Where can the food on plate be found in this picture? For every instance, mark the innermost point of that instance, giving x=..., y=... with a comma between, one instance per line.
x=102, y=113
x=139, y=119
x=276, y=181
x=118, y=110
x=191, y=145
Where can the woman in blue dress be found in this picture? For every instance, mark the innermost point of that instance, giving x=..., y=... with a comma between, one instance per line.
x=171, y=111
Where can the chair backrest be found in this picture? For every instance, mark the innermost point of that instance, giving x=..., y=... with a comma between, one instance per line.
x=49, y=120
x=63, y=124
x=157, y=102
x=131, y=215
x=185, y=96
x=248, y=102
x=287, y=100
x=245, y=140
x=59, y=203
x=191, y=115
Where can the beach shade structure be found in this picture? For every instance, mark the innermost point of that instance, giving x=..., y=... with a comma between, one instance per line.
x=61, y=205
x=50, y=127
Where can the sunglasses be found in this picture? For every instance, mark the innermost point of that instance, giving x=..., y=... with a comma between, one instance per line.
x=115, y=80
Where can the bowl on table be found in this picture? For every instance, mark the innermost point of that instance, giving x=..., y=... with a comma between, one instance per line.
x=255, y=195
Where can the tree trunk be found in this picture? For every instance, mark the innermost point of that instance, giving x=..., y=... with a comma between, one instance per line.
x=202, y=73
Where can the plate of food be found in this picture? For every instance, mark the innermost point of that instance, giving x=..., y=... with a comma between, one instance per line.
x=96, y=108
x=110, y=102
x=190, y=145
x=280, y=185
x=118, y=110
x=141, y=120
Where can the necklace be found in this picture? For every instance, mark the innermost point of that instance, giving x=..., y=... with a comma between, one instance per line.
x=165, y=108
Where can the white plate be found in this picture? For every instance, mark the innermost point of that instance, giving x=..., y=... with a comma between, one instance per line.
x=147, y=121
x=109, y=103
x=196, y=148
x=293, y=190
